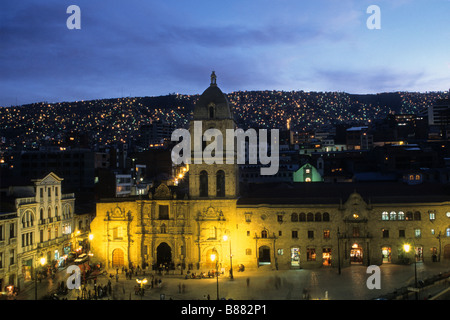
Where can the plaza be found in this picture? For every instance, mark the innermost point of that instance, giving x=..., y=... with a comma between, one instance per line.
x=302, y=284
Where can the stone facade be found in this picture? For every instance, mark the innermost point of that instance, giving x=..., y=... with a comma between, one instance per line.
x=281, y=229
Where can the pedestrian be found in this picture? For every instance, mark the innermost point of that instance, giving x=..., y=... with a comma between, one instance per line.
x=183, y=288
x=208, y=297
x=117, y=277
x=179, y=287
x=248, y=282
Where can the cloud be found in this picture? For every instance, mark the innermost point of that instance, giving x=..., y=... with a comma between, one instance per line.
x=368, y=80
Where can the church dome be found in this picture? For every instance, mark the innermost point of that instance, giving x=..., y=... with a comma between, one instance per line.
x=212, y=104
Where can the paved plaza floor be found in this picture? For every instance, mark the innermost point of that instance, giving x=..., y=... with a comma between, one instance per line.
x=323, y=283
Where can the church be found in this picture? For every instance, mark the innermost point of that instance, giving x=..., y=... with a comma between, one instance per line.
x=277, y=226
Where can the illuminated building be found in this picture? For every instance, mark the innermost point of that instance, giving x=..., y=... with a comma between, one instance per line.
x=270, y=226
x=42, y=227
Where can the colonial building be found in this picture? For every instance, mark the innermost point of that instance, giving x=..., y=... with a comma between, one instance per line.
x=38, y=223
x=272, y=226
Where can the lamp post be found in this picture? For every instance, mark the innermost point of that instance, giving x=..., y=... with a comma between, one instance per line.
x=407, y=248
x=141, y=283
x=90, y=237
x=42, y=262
x=213, y=258
x=225, y=238
x=339, y=251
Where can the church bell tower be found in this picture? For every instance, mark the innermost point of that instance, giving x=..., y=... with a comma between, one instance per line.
x=212, y=180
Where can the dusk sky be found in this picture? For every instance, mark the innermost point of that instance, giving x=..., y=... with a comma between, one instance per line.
x=150, y=48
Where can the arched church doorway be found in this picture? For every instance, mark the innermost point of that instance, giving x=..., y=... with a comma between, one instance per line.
x=117, y=258
x=211, y=258
x=264, y=255
x=163, y=255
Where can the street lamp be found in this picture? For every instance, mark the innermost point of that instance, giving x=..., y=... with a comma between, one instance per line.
x=141, y=282
x=42, y=262
x=407, y=248
x=213, y=258
x=225, y=238
x=91, y=236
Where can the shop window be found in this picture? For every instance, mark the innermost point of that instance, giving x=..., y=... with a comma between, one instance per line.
x=326, y=256
x=311, y=254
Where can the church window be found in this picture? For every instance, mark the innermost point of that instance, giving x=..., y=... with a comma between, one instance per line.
x=220, y=181
x=264, y=234
x=203, y=184
x=164, y=212
x=213, y=233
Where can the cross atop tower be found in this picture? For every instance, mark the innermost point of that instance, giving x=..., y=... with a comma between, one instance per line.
x=213, y=78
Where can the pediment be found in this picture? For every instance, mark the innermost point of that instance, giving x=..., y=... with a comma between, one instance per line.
x=49, y=179
x=162, y=192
